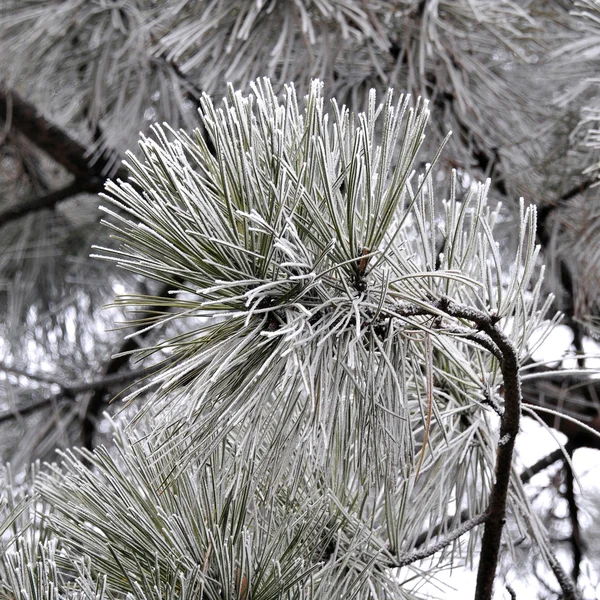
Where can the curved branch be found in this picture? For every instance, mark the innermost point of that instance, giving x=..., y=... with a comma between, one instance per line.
x=509, y=428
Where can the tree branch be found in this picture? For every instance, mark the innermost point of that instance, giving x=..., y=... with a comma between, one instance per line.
x=50, y=138
x=478, y=337
x=509, y=429
x=566, y=585
x=406, y=559
x=92, y=185
x=70, y=390
x=542, y=464
x=119, y=359
x=61, y=147
x=575, y=537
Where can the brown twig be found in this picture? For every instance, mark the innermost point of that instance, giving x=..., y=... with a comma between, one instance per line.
x=542, y=464
x=509, y=429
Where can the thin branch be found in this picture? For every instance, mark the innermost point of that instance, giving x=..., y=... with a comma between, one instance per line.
x=23, y=411
x=566, y=585
x=542, y=465
x=464, y=516
x=407, y=559
x=478, y=337
x=112, y=380
x=120, y=359
x=69, y=391
x=91, y=185
x=575, y=537
x=446, y=525
x=50, y=138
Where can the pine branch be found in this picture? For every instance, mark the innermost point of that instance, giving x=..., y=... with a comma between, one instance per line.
x=466, y=526
x=91, y=185
x=488, y=162
x=542, y=464
x=53, y=140
x=119, y=360
x=577, y=436
x=70, y=391
x=509, y=429
x=479, y=338
x=575, y=537
x=236, y=266
x=566, y=585
x=62, y=148
x=464, y=516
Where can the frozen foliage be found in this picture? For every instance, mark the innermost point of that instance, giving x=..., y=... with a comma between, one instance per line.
x=325, y=405
x=332, y=317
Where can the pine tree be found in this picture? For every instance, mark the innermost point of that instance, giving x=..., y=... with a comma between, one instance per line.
x=332, y=323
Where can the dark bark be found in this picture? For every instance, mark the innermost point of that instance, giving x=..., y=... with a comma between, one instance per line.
x=70, y=391
x=575, y=537
x=119, y=360
x=509, y=428
x=91, y=185
x=542, y=464
x=54, y=141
